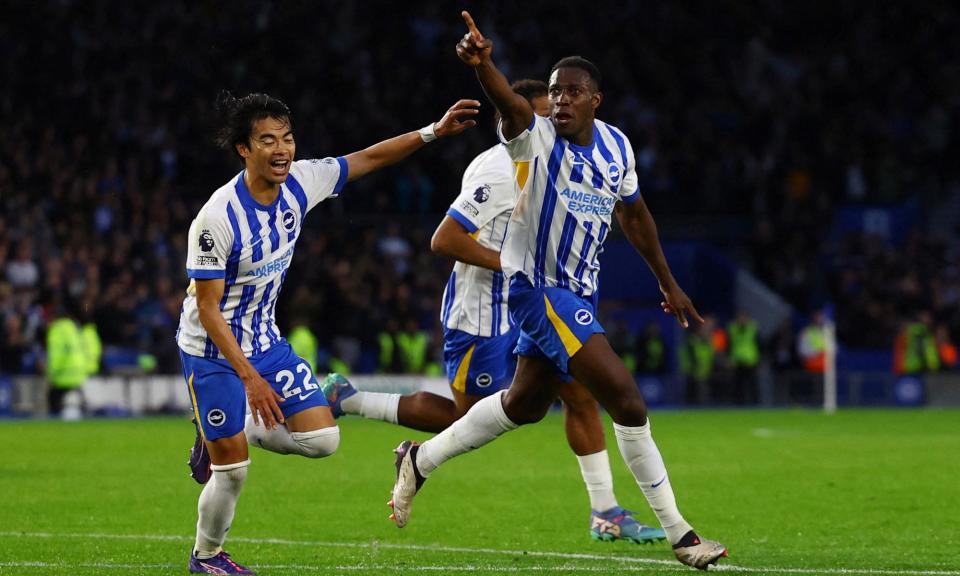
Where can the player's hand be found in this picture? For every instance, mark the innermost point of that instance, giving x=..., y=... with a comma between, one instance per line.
x=679, y=305
x=458, y=118
x=263, y=400
x=473, y=48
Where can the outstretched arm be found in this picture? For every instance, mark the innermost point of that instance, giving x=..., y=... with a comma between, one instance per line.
x=452, y=239
x=457, y=119
x=475, y=50
x=641, y=231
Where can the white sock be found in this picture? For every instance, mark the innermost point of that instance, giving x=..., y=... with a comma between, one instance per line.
x=373, y=405
x=595, y=469
x=216, y=506
x=643, y=458
x=276, y=440
x=482, y=423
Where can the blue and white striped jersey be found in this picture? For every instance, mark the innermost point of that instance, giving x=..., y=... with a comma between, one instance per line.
x=475, y=299
x=567, y=195
x=250, y=246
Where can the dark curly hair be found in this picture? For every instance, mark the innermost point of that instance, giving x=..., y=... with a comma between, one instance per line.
x=583, y=64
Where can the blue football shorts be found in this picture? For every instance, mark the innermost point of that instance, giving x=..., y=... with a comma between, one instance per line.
x=477, y=365
x=554, y=322
x=220, y=400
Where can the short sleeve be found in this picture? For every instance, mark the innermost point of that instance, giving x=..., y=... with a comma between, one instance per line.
x=208, y=246
x=630, y=189
x=319, y=179
x=486, y=191
x=525, y=145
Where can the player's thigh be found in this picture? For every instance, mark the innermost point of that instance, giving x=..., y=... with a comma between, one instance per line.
x=311, y=419
x=598, y=367
x=304, y=406
x=577, y=397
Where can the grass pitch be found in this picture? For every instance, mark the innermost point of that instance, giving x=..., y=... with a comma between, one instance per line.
x=871, y=492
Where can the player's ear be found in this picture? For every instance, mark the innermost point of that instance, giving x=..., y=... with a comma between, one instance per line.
x=597, y=99
x=243, y=150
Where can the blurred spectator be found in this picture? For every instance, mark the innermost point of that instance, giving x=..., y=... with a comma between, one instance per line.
x=744, y=358
x=412, y=346
x=916, y=350
x=812, y=344
x=698, y=362
x=67, y=363
x=651, y=351
x=946, y=348
x=304, y=344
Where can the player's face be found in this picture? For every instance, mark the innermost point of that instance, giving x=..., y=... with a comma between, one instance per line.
x=574, y=100
x=541, y=105
x=271, y=150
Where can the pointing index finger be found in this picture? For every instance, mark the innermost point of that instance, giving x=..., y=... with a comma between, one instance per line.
x=472, y=26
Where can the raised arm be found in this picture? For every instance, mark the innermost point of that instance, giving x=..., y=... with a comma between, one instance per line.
x=475, y=50
x=641, y=231
x=456, y=120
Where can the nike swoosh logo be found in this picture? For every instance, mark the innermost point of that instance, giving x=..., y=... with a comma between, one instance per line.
x=305, y=396
x=659, y=483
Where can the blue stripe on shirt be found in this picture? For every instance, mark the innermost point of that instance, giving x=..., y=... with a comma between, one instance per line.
x=205, y=274
x=236, y=322
x=597, y=180
x=576, y=173
x=256, y=242
x=258, y=316
x=609, y=159
x=563, y=251
x=299, y=194
x=274, y=232
x=620, y=140
x=448, y=295
x=546, y=211
x=497, y=301
x=584, y=256
x=459, y=217
x=342, y=178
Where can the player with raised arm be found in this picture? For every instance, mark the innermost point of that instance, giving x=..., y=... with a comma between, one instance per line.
x=239, y=248
x=575, y=173
x=479, y=337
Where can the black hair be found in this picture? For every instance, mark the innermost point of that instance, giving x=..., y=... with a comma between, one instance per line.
x=530, y=89
x=581, y=63
x=237, y=116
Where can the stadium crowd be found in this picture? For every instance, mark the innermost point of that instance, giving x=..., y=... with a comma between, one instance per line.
x=760, y=112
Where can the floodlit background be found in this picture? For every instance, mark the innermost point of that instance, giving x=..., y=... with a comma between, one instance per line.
x=800, y=160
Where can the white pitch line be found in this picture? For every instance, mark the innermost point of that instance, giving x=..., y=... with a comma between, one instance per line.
x=666, y=564
x=351, y=568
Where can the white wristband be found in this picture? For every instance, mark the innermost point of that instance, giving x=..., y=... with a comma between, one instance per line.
x=427, y=133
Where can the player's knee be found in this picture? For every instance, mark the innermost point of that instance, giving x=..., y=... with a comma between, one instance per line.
x=522, y=410
x=630, y=410
x=318, y=443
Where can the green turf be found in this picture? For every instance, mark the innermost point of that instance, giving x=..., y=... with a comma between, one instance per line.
x=784, y=490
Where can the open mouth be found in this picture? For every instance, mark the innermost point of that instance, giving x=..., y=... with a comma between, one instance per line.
x=562, y=117
x=279, y=166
